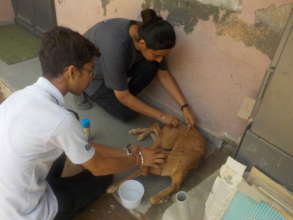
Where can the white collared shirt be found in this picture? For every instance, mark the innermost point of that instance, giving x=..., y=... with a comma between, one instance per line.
x=35, y=129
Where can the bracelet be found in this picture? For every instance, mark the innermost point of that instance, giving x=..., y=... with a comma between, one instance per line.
x=128, y=150
x=141, y=158
x=137, y=160
x=137, y=156
x=183, y=106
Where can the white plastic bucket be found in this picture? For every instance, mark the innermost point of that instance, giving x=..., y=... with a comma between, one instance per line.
x=131, y=193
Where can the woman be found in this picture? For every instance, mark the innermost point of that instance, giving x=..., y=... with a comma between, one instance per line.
x=132, y=55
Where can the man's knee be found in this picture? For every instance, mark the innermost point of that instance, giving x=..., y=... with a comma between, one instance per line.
x=109, y=179
x=103, y=182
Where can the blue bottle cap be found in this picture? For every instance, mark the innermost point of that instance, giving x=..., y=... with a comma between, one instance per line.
x=85, y=122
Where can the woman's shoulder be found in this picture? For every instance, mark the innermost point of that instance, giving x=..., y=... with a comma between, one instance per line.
x=110, y=28
x=111, y=23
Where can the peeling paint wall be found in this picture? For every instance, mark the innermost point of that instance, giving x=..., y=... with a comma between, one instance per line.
x=184, y=13
x=258, y=35
x=6, y=11
x=223, y=50
x=233, y=5
x=104, y=6
x=264, y=34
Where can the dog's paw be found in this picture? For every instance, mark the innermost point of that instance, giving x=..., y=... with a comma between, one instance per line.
x=112, y=188
x=135, y=131
x=141, y=132
x=141, y=137
x=155, y=200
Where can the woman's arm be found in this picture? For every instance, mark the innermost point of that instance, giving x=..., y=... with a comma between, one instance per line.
x=134, y=103
x=170, y=84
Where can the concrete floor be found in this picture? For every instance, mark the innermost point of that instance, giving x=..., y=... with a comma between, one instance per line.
x=109, y=131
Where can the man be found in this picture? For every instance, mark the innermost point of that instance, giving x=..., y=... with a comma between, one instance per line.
x=36, y=130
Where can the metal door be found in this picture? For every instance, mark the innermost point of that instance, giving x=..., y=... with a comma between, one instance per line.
x=268, y=143
x=37, y=16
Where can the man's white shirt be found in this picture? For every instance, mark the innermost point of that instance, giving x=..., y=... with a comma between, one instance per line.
x=35, y=129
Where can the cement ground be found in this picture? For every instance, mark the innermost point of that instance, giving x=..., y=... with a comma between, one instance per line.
x=104, y=128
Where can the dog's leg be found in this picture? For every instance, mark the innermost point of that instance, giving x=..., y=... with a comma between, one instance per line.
x=141, y=132
x=162, y=196
x=156, y=129
x=113, y=188
x=144, y=132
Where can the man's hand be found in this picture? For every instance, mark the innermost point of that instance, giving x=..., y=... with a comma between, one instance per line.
x=169, y=119
x=152, y=157
x=189, y=117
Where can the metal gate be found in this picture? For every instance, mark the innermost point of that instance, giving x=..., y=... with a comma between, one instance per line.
x=268, y=142
x=36, y=15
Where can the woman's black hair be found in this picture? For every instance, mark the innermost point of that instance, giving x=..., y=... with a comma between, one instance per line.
x=61, y=47
x=156, y=32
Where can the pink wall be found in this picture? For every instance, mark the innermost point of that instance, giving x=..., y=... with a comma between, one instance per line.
x=6, y=11
x=217, y=65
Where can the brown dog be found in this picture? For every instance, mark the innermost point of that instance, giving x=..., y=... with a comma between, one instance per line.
x=186, y=147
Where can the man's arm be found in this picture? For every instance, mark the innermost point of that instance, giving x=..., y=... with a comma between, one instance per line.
x=100, y=165
x=108, y=160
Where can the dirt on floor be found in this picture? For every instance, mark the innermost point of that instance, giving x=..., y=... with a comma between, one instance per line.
x=105, y=208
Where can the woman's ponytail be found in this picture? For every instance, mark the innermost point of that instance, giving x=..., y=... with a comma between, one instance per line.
x=156, y=32
x=149, y=16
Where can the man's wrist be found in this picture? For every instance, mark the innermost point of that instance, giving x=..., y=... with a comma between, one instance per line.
x=135, y=154
x=137, y=157
x=127, y=150
x=131, y=149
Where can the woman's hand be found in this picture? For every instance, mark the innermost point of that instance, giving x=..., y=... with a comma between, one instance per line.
x=169, y=119
x=189, y=117
x=152, y=157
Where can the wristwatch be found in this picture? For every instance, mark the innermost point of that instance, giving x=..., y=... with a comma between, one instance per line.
x=184, y=106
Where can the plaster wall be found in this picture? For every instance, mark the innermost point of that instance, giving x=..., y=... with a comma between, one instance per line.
x=6, y=11
x=222, y=52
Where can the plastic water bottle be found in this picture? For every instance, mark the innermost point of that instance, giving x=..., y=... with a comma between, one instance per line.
x=86, y=125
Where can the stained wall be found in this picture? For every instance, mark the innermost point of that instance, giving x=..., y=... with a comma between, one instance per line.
x=6, y=11
x=223, y=50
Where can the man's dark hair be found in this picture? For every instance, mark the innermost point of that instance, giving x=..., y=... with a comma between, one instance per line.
x=61, y=47
x=156, y=32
